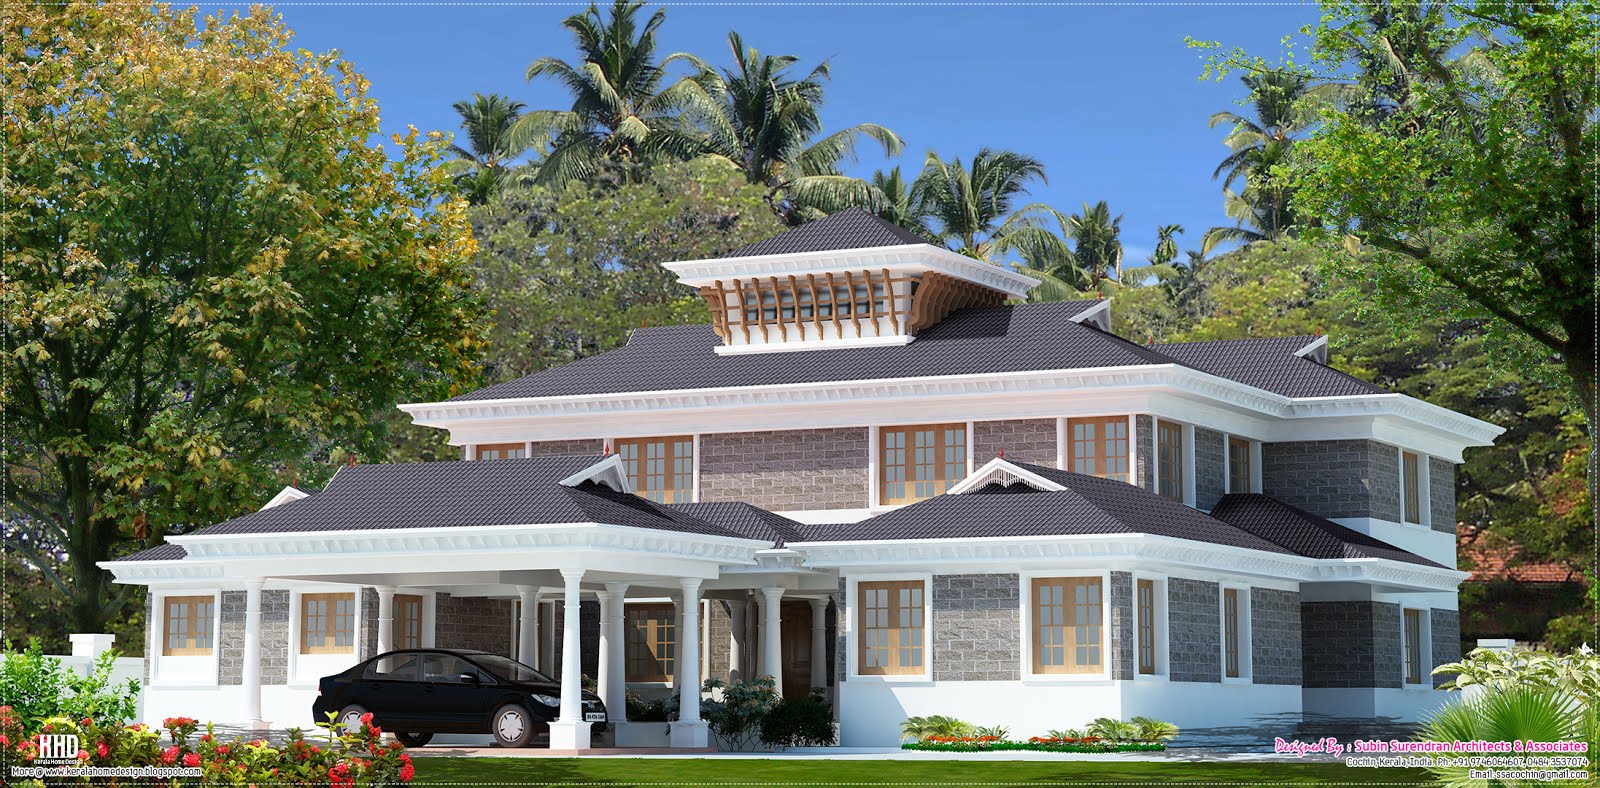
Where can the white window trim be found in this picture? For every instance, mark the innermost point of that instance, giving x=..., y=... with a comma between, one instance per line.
x=295, y=678
x=1162, y=645
x=1424, y=645
x=1256, y=484
x=1246, y=639
x=1189, y=470
x=1254, y=460
x=205, y=669
x=1424, y=504
x=873, y=465
x=853, y=645
x=1025, y=653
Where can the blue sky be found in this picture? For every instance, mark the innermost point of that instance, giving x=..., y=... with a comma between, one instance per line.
x=1109, y=97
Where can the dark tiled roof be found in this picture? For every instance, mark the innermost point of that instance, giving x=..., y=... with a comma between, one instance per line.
x=452, y=494
x=972, y=341
x=1268, y=363
x=745, y=520
x=1088, y=505
x=852, y=228
x=161, y=552
x=1303, y=532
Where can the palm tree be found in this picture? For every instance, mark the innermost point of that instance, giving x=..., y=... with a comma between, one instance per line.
x=1182, y=281
x=763, y=118
x=487, y=121
x=1154, y=731
x=1166, y=244
x=1097, y=241
x=1260, y=213
x=619, y=109
x=1282, y=102
x=973, y=208
x=895, y=200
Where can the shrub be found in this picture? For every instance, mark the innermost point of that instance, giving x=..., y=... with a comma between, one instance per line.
x=348, y=759
x=992, y=731
x=1069, y=733
x=806, y=722
x=1114, y=730
x=918, y=728
x=1577, y=673
x=1052, y=744
x=1154, y=730
x=38, y=688
x=736, y=718
x=658, y=710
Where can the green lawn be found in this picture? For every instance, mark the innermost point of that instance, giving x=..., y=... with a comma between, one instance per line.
x=795, y=773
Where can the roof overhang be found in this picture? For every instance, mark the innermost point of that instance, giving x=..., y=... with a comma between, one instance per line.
x=1394, y=418
x=909, y=258
x=965, y=554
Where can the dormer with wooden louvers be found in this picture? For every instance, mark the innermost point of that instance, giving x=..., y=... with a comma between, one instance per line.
x=848, y=280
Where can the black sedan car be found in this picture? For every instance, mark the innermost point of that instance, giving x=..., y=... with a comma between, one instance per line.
x=417, y=693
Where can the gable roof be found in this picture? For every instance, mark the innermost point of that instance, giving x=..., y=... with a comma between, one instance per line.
x=1086, y=505
x=161, y=552
x=456, y=494
x=1303, y=532
x=1269, y=363
x=852, y=228
x=985, y=340
x=751, y=522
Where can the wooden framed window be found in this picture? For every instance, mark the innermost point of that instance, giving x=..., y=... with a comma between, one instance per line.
x=1411, y=486
x=502, y=451
x=1169, y=458
x=1230, y=632
x=652, y=641
x=661, y=469
x=327, y=623
x=189, y=622
x=1100, y=446
x=407, y=621
x=1145, y=602
x=1412, y=620
x=1239, y=465
x=920, y=462
x=891, y=628
x=1067, y=631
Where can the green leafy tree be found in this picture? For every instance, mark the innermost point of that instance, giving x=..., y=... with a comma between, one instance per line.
x=1440, y=207
x=211, y=277
x=491, y=147
x=570, y=272
x=766, y=120
x=623, y=109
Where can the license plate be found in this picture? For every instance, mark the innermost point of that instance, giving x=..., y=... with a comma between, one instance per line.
x=594, y=716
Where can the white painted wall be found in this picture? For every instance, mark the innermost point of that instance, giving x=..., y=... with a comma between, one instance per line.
x=1412, y=704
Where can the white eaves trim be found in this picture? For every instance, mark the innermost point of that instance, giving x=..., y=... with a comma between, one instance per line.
x=1098, y=548
x=1167, y=377
x=906, y=257
x=1004, y=473
x=1316, y=351
x=471, y=538
x=608, y=472
x=284, y=496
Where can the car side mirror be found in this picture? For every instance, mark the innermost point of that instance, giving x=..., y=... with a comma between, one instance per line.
x=468, y=678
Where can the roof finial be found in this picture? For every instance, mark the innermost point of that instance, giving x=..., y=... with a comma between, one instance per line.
x=1319, y=331
x=1002, y=453
x=1100, y=293
x=351, y=462
x=606, y=450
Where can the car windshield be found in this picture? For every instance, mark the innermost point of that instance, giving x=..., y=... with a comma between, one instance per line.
x=510, y=669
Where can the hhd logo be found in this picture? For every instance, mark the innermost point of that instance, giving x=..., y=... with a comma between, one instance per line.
x=58, y=746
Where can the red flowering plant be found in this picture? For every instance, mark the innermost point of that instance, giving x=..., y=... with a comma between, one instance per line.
x=347, y=758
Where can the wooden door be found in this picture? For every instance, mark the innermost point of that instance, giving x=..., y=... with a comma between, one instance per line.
x=796, y=636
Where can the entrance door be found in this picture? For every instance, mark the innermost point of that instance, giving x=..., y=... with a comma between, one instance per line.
x=796, y=620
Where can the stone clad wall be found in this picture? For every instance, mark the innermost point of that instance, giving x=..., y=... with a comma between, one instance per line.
x=1123, y=636
x=274, y=637
x=1351, y=644
x=1446, y=640
x=1334, y=479
x=1023, y=440
x=1442, y=494
x=576, y=446
x=1210, y=467
x=788, y=470
x=369, y=624
x=1194, y=629
x=976, y=621
x=462, y=622
x=1145, y=462
x=1275, y=636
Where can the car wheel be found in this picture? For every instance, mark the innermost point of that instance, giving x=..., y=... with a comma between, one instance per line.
x=512, y=726
x=350, y=716
x=414, y=739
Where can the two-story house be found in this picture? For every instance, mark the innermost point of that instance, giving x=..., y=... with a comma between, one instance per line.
x=876, y=476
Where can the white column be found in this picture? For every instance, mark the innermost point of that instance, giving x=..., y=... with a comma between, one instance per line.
x=679, y=665
x=528, y=625
x=615, y=691
x=385, y=619
x=569, y=731
x=603, y=666
x=251, y=707
x=689, y=730
x=819, y=651
x=771, y=633
x=736, y=657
